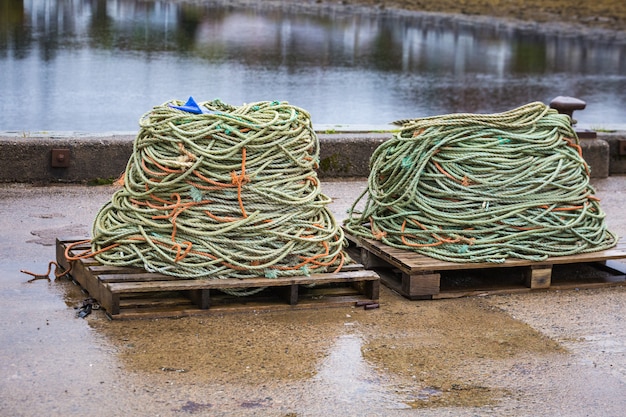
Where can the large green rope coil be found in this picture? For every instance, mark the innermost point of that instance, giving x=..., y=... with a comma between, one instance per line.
x=483, y=188
x=231, y=192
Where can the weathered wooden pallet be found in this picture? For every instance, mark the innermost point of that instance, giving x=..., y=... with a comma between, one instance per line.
x=128, y=293
x=416, y=277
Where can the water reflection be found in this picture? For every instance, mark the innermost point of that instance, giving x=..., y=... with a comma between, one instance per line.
x=345, y=378
x=98, y=65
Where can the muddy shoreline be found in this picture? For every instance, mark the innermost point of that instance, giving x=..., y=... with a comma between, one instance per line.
x=607, y=14
x=602, y=18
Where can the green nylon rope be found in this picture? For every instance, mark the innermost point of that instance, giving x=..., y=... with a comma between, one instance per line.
x=230, y=193
x=483, y=188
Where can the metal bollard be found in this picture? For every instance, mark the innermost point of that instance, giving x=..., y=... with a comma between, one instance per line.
x=567, y=105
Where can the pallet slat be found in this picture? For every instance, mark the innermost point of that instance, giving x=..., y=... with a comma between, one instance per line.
x=416, y=276
x=199, y=284
x=127, y=293
x=413, y=261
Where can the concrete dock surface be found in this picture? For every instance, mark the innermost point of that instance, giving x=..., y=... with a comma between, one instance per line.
x=545, y=353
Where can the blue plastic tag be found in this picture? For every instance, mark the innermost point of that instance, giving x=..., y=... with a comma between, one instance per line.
x=191, y=107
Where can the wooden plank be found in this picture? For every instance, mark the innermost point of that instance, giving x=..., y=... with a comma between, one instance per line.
x=181, y=285
x=137, y=277
x=110, y=302
x=538, y=276
x=420, y=283
x=372, y=289
x=201, y=298
x=247, y=307
x=410, y=261
x=162, y=301
x=99, y=269
x=400, y=283
x=110, y=273
x=370, y=260
x=60, y=255
x=290, y=293
x=348, y=267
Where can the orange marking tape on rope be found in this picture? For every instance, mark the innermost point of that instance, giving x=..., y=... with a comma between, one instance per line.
x=178, y=247
x=240, y=180
x=57, y=274
x=417, y=245
x=444, y=172
x=220, y=219
x=151, y=172
x=377, y=234
x=86, y=253
x=210, y=181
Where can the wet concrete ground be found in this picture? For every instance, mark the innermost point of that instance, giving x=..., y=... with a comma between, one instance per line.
x=536, y=354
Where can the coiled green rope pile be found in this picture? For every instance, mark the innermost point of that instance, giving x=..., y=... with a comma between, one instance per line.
x=231, y=192
x=483, y=188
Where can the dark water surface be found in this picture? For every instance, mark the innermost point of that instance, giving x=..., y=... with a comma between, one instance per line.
x=96, y=65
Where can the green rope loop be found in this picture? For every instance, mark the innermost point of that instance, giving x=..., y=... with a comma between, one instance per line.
x=482, y=188
x=230, y=193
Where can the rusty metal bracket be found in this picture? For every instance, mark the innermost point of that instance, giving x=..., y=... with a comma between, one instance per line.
x=60, y=158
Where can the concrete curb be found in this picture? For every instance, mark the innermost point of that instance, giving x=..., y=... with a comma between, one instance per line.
x=342, y=155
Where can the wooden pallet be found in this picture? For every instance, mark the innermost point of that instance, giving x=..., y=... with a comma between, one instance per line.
x=127, y=293
x=419, y=277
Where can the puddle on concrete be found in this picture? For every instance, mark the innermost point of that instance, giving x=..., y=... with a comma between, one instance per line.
x=605, y=343
x=344, y=377
x=441, y=353
x=405, y=355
